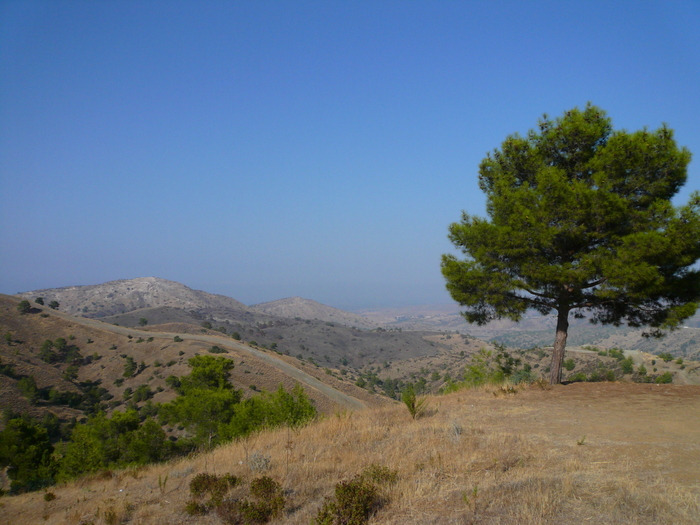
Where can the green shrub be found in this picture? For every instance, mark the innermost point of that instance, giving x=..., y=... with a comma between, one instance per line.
x=617, y=353
x=666, y=357
x=595, y=377
x=130, y=367
x=578, y=377
x=24, y=307
x=569, y=364
x=627, y=365
x=416, y=406
x=217, y=350
x=178, y=339
x=665, y=378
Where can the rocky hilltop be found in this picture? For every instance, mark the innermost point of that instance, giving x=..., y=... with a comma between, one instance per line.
x=298, y=307
x=116, y=297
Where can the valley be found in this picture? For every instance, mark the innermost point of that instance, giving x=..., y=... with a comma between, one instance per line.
x=64, y=366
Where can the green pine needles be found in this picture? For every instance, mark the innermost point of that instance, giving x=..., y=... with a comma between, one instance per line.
x=580, y=221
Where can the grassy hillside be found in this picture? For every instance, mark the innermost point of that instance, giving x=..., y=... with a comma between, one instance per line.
x=598, y=453
x=104, y=351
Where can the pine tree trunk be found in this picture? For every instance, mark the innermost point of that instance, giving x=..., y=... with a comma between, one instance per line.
x=559, y=346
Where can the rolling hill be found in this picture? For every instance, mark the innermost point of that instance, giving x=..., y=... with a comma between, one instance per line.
x=86, y=372
x=293, y=307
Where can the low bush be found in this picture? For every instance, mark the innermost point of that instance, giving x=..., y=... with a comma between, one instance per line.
x=665, y=378
x=354, y=503
x=578, y=377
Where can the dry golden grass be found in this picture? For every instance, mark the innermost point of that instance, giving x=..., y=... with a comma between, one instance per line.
x=474, y=457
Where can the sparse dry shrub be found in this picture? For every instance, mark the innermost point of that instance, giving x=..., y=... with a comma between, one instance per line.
x=203, y=483
x=110, y=516
x=215, y=486
x=259, y=462
x=505, y=390
x=269, y=504
x=355, y=501
x=380, y=475
x=194, y=508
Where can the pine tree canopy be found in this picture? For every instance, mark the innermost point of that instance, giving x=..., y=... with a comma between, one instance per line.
x=580, y=220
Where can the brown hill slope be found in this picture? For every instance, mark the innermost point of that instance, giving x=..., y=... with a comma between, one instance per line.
x=105, y=350
x=584, y=453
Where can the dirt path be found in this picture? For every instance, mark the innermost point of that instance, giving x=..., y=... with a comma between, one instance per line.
x=338, y=397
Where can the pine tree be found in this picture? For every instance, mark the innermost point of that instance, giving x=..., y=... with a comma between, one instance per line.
x=580, y=221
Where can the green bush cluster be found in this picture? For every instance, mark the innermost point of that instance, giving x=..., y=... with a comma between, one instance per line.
x=207, y=406
x=487, y=367
x=213, y=411
x=596, y=376
x=28, y=449
x=59, y=351
x=627, y=365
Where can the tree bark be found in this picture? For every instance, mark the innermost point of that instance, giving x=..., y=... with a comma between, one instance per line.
x=559, y=346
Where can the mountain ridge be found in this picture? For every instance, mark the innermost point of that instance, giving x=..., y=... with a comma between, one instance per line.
x=309, y=309
x=124, y=295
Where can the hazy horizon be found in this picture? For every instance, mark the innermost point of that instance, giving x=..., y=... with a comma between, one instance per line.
x=264, y=150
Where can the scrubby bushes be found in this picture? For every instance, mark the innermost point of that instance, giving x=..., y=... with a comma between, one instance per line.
x=356, y=500
x=264, y=502
x=489, y=368
x=666, y=377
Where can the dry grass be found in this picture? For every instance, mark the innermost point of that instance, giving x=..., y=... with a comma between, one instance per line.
x=473, y=458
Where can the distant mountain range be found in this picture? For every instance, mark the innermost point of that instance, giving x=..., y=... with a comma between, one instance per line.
x=308, y=309
x=118, y=297
x=168, y=301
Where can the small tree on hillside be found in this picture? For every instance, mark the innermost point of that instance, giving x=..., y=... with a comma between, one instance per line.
x=24, y=307
x=54, y=305
x=580, y=220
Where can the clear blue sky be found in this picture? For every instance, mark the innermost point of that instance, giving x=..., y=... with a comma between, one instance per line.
x=266, y=149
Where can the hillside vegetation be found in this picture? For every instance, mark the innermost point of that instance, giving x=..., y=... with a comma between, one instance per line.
x=599, y=453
